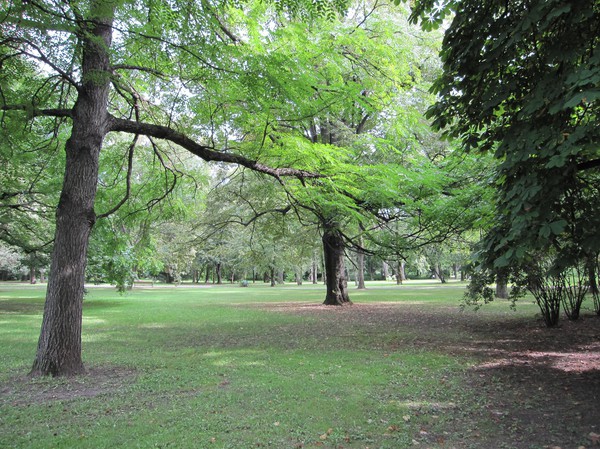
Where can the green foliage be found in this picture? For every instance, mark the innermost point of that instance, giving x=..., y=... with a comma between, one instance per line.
x=551, y=280
x=521, y=81
x=29, y=182
x=342, y=97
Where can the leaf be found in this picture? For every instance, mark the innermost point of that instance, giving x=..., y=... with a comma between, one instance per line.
x=326, y=434
x=557, y=227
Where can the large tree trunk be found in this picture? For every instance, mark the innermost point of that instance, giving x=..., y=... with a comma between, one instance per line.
x=335, y=267
x=59, y=346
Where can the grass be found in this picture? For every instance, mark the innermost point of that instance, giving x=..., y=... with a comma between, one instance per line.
x=231, y=367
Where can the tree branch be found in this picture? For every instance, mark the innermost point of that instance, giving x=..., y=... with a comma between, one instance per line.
x=588, y=164
x=34, y=112
x=138, y=68
x=222, y=26
x=204, y=152
x=128, y=181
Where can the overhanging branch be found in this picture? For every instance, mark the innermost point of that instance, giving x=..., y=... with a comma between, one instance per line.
x=205, y=152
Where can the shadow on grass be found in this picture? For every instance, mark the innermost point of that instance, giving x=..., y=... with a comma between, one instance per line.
x=22, y=307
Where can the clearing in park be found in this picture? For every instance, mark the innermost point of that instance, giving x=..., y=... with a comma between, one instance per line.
x=230, y=367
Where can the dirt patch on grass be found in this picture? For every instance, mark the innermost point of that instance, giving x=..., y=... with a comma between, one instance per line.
x=541, y=385
x=25, y=390
x=536, y=387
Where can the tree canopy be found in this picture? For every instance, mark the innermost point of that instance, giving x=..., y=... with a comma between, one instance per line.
x=521, y=80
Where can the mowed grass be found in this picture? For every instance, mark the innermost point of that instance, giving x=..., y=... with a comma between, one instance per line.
x=232, y=367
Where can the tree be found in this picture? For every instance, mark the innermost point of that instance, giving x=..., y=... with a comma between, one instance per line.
x=253, y=225
x=93, y=88
x=367, y=78
x=520, y=79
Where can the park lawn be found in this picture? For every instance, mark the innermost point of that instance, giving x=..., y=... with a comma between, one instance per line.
x=232, y=367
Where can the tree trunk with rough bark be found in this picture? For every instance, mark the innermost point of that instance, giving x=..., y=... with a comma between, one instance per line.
x=335, y=267
x=59, y=345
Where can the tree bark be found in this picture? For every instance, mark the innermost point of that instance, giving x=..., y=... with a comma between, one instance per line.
x=59, y=345
x=438, y=272
x=299, y=277
x=335, y=267
x=360, y=268
x=219, y=273
x=400, y=276
x=316, y=265
x=384, y=270
x=501, y=286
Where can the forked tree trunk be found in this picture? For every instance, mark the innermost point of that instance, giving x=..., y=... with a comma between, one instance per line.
x=438, y=272
x=59, y=345
x=335, y=267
